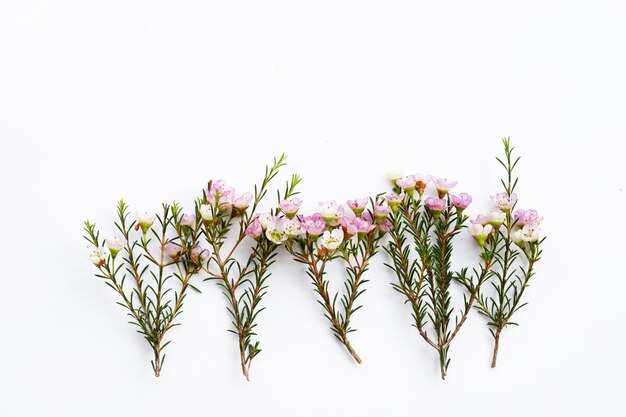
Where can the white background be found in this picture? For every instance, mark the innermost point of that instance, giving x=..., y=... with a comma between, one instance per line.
x=148, y=100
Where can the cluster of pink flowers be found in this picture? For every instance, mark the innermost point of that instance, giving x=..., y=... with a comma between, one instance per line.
x=436, y=205
x=525, y=227
x=332, y=225
x=222, y=199
x=525, y=223
x=411, y=183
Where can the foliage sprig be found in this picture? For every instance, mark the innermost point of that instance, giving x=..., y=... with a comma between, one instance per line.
x=139, y=269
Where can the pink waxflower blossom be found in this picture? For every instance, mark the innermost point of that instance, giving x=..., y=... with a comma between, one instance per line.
x=290, y=207
x=242, y=202
x=394, y=200
x=504, y=201
x=435, y=205
x=357, y=225
x=218, y=186
x=225, y=206
x=364, y=224
x=443, y=186
x=461, y=201
x=367, y=223
x=188, y=220
x=200, y=255
x=172, y=250
x=350, y=226
x=357, y=205
x=524, y=217
x=219, y=191
x=314, y=225
x=421, y=181
x=481, y=219
x=381, y=212
x=407, y=184
x=386, y=226
x=254, y=229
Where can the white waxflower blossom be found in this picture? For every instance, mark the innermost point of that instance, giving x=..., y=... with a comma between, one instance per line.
x=331, y=240
x=206, y=212
x=517, y=236
x=328, y=210
x=496, y=218
x=291, y=227
x=480, y=232
x=145, y=220
x=275, y=233
x=530, y=233
x=266, y=220
x=98, y=256
x=115, y=244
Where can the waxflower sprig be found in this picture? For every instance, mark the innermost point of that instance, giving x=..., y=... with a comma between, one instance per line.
x=515, y=236
x=421, y=248
x=139, y=268
x=243, y=283
x=350, y=234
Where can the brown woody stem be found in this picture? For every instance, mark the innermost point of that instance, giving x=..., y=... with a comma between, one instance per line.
x=244, y=366
x=156, y=364
x=496, y=345
x=351, y=350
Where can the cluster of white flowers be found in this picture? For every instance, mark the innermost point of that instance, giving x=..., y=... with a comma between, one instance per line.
x=524, y=223
x=525, y=227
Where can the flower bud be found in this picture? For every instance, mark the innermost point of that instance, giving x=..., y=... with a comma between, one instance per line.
x=206, y=212
x=200, y=255
x=188, y=220
x=172, y=250
x=254, y=230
